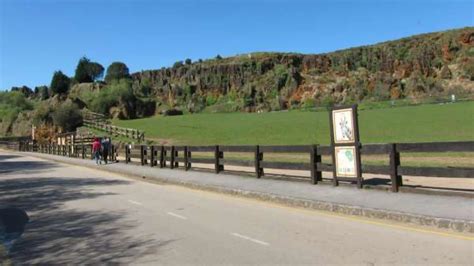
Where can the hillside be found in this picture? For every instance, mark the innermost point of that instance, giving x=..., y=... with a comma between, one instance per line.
x=425, y=65
x=417, y=68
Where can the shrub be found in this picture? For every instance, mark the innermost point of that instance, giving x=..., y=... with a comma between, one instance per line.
x=112, y=95
x=211, y=100
x=67, y=116
x=309, y=103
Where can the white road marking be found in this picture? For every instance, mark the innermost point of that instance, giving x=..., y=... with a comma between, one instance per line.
x=251, y=239
x=177, y=215
x=135, y=202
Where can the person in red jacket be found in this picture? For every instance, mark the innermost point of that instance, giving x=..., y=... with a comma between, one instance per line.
x=96, y=150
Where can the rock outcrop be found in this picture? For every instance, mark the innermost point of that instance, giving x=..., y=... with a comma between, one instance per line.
x=410, y=67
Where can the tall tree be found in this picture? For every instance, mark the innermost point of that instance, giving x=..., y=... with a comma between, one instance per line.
x=87, y=71
x=59, y=83
x=96, y=70
x=82, y=73
x=116, y=71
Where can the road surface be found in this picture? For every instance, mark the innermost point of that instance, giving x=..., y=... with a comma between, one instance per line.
x=81, y=215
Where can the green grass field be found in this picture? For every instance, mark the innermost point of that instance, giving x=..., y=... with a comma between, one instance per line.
x=424, y=123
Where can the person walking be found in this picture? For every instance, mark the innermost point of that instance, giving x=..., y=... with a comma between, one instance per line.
x=96, y=150
x=105, y=149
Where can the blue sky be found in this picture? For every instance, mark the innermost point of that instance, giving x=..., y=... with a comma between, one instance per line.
x=38, y=37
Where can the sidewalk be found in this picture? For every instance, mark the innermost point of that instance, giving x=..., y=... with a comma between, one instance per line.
x=446, y=212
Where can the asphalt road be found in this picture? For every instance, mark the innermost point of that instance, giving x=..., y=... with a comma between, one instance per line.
x=80, y=215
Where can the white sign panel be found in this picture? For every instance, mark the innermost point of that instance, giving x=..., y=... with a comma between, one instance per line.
x=346, y=161
x=343, y=125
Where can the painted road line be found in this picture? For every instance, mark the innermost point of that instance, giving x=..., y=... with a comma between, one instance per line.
x=315, y=212
x=135, y=202
x=250, y=239
x=177, y=215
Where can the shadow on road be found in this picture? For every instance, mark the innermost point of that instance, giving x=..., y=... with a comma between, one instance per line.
x=58, y=235
x=8, y=166
x=4, y=157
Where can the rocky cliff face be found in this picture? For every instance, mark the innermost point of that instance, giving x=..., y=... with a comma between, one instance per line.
x=419, y=66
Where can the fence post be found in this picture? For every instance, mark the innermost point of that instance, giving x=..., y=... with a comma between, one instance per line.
x=176, y=155
x=143, y=154
x=152, y=156
x=127, y=153
x=172, y=158
x=218, y=167
x=316, y=174
x=394, y=163
x=258, y=160
x=112, y=153
x=187, y=156
x=162, y=157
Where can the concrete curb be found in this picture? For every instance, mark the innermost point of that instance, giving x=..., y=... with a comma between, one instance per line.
x=456, y=225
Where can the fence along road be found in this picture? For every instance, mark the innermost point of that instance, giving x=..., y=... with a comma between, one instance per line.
x=183, y=157
x=81, y=216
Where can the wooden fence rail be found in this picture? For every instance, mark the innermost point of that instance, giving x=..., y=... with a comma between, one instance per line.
x=116, y=131
x=185, y=157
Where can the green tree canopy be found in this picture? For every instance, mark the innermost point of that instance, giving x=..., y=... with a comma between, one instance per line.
x=59, y=83
x=67, y=116
x=116, y=71
x=87, y=71
x=25, y=90
x=96, y=70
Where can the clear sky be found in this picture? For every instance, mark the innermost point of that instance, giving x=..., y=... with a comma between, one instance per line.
x=38, y=37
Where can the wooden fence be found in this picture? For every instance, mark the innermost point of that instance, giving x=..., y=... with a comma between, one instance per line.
x=83, y=150
x=116, y=131
x=183, y=157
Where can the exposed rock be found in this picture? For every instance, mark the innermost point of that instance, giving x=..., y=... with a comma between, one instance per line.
x=172, y=112
x=446, y=72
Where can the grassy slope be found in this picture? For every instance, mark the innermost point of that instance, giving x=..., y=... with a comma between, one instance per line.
x=447, y=122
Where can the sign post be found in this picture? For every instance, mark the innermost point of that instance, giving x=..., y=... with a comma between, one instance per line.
x=345, y=145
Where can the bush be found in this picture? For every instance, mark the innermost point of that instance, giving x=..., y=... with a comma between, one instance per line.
x=211, y=100
x=67, y=116
x=309, y=103
x=112, y=95
x=43, y=114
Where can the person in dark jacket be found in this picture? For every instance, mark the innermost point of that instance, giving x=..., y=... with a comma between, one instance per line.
x=105, y=149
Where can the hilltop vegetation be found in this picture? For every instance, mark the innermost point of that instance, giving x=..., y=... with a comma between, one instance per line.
x=433, y=64
x=414, y=68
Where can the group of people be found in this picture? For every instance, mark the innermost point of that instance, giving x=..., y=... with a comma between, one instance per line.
x=100, y=149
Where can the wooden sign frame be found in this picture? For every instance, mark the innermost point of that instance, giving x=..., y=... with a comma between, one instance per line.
x=352, y=143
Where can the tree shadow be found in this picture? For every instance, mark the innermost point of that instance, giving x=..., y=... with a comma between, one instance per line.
x=9, y=167
x=4, y=157
x=59, y=235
